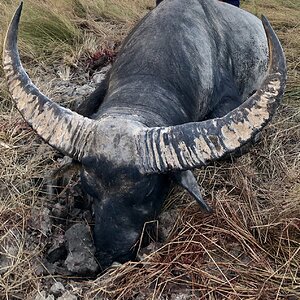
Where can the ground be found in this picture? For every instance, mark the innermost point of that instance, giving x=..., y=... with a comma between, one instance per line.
x=249, y=248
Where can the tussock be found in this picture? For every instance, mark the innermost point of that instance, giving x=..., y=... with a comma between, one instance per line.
x=249, y=248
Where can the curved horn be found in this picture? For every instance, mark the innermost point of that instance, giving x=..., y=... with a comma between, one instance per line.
x=195, y=144
x=60, y=127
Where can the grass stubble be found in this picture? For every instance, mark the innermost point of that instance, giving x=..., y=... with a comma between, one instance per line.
x=249, y=248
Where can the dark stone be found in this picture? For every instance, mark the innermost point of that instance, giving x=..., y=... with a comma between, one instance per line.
x=40, y=220
x=59, y=212
x=81, y=250
x=58, y=250
x=57, y=289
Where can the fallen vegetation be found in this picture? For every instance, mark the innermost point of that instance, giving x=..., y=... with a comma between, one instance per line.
x=248, y=249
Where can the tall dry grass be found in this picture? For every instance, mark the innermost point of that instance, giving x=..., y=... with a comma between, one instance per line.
x=248, y=249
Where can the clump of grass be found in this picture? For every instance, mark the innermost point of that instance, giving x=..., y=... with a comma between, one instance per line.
x=47, y=31
x=50, y=30
x=42, y=31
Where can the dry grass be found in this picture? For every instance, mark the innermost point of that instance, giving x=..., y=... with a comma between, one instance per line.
x=248, y=249
x=52, y=28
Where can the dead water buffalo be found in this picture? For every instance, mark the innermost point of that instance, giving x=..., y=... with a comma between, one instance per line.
x=194, y=81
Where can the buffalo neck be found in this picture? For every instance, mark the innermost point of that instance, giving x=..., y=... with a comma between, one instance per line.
x=151, y=101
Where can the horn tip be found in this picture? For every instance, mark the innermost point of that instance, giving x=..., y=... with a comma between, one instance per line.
x=266, y=23
x=276, y=53
x=12, y=31
x=264, y=19
x=19, y=9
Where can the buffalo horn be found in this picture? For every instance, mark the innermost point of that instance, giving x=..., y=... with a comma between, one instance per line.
x=60, y=127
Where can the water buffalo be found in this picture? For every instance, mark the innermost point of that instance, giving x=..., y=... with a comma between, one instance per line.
x=194, y=81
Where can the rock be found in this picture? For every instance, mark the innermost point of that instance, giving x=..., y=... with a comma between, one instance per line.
x=67, y=296
x=60, y=212
x=58, y=249
x=84, y=90
x=43, y=296
x=144, y=252
x=7, y=257
x=98, y=77
x=9, y=249
x=166, y=222
x=46, y=268
x=87, y=216
x=144, y=296
x=81, y=250
x=40, y=296
x=57, y=289
x=181, y=296
x=40, y=220
x=75, y=212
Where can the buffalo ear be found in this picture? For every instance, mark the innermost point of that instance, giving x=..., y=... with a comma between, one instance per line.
x=187, y=180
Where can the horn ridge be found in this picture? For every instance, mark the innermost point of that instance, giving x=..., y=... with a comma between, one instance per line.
x=196, y=144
